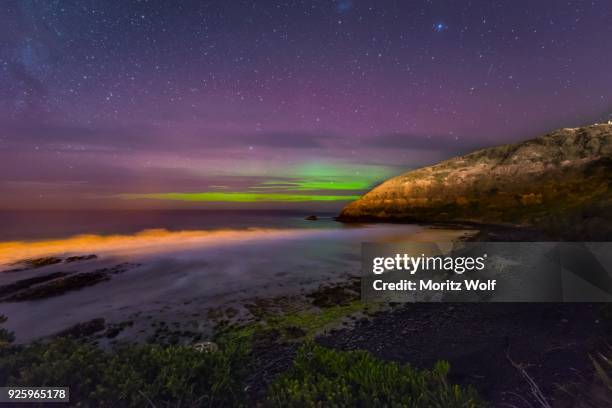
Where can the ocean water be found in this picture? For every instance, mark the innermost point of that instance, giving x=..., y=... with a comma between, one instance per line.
x=36, y=225
x=186, y=262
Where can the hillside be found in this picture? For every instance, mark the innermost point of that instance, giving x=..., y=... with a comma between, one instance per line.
x=560, y=182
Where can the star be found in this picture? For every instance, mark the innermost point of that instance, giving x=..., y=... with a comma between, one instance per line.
x=440, y=27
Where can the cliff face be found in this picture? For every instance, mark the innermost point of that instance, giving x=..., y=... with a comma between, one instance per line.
x=559, y=179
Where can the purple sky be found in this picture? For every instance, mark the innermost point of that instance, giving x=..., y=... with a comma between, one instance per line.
x=118, y=103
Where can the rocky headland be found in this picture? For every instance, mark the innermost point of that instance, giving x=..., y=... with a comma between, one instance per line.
x=559, y=183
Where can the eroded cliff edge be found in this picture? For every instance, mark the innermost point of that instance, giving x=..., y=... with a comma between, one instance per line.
x=560, y=182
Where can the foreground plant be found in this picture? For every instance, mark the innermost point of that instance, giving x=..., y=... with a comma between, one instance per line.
x=6, y=337
x=325, y=377
x=172, y=376
x=132, y=376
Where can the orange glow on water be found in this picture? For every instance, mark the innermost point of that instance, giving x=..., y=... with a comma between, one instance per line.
x=154, y=240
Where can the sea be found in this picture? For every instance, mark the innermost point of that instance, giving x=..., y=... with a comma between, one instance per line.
x=180, y=263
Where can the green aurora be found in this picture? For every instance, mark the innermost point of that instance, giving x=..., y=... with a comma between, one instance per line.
x=310, y=185
x=243, y=197
x=308, y=182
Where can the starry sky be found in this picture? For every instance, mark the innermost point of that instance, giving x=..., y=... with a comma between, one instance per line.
x=256, y=104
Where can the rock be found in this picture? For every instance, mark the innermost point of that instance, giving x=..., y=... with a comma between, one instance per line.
x=40, y=262
x=206, y=347
x=559, y=182
x=35, y=263
x=22, y=284
x=113, y=330
x=77, y=258
x=335, y=295
x=84, y=329
x=311, y=218
x=59, y=286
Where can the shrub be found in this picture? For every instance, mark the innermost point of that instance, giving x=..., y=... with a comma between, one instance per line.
x=172, y=376
x=6, y=337
x=324, y=377
x=135, y=375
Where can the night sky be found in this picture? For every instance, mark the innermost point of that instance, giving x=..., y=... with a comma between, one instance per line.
x=128, y=104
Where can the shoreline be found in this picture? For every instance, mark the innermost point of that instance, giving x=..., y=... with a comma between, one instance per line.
x=332, y=315
x=485, y=231
x=181, y=285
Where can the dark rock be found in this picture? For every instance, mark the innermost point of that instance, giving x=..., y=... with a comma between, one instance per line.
x=59, y=286
x=113, y=330
x=63, y=282
x=35, y=263
x=26, y=283
x=40, y=262
x=85, y=329
x=311, y=218
x=337, y=295
x=80, y=258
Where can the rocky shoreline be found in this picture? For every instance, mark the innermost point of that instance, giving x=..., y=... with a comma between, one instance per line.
x=552, y=342
x=491, y=347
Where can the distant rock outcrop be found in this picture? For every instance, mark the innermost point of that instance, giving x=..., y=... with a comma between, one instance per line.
x=561, y=182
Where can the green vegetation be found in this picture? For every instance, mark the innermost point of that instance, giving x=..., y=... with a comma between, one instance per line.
x=295, y=318
x=313, y=322
x=324, y=377
x=141, y=375
x=131, y=376
x=168, y=376
x=287, y=327
x=6, y=337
